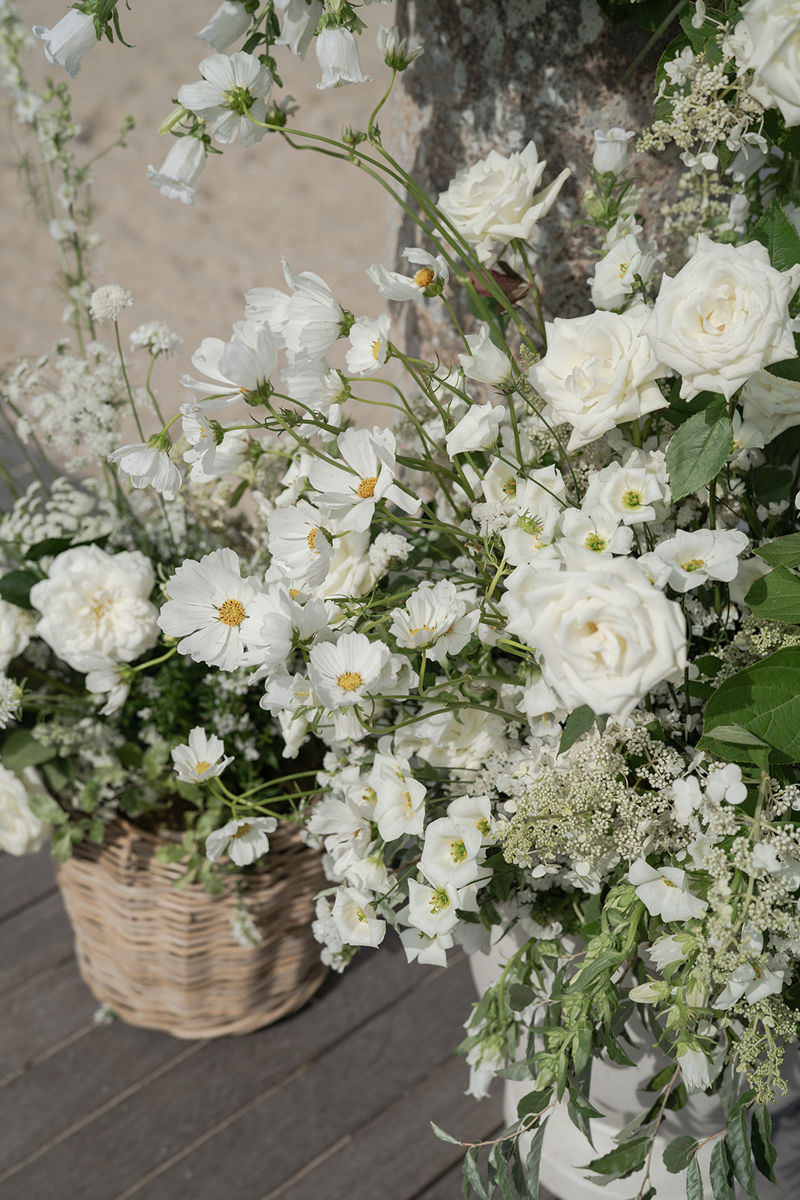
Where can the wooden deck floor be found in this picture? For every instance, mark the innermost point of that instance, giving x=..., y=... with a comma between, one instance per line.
x=332, y=1103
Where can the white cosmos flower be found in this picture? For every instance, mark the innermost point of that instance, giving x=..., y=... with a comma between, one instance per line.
x=215, y=612
x=345, y=674
x=353, y=490
x=615, y=275
x=432, y=909
x=451, y=853
x=355, y=918
x=337, y=55
x=210, y=459
x=435, y=619
x=104, y=675
x=298, y=542
x=68, y=41
x=599, y=531
x=300, y=20
x=268, y=306
x=478, y=429
x=694, y=1070
x=319, y=388
x=369, y=344
x=771, y=404
x=694, y=556
x=94, y=602
x=432, y=276
x=226, y=25
x=148, y=465
x=243, y=840
x=242, y=365
x=486, y=362
x=20, y=831
x=400, y=802
x=230, y=89
x=665, y=892
x=314, y=318
x=202, y=758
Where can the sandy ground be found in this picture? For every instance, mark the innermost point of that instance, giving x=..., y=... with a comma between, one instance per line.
x=189, y=266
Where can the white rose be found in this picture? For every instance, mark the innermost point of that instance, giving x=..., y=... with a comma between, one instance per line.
x=771, y=404
x=95, y=602
x=723, y=317
x=605, y=634
x=16, y=627
x=598, y=372
x=351, y=573
x=20, y=831
x=493, y=201
x=774, y=30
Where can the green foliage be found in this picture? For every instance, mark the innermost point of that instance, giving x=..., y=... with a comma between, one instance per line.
x=698, y=451
x=680, y=1152
x=21, y=749
x=579, y=721
x=694, y=1181
x=650, y=14
x=15, y=587
x=776, y=596
x=763, y=699
x=776, y=232
x=45, y=808
x=783, y=552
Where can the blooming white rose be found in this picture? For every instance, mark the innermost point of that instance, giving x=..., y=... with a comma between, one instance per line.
x=68, y=41
x=496, y=200
x=20, y=831
x=598, y=372
x=723, y=317
x=774, y=30
x=94, y=601
x=605, y=634
x=16, y=627
x=771, y=404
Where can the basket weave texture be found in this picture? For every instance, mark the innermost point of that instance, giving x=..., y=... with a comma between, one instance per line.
x=167, y=959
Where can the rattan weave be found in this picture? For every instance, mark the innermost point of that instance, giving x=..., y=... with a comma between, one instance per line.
x=168, y=960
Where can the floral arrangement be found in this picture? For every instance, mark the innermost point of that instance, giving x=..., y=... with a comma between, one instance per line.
x=546, y=626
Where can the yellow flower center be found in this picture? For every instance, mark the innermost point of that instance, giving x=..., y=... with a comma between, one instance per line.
x=294, y=592
x=693, y=564
x=594, y=542
x=241, y=831
x=348, y=681
x=424, y=277
x=376, y=350
x=312, y=539
x=458, y=851
x=202, y=766
x=623, y=267
x=361, y=915
x=367, y=487
x=668, y=882
x=231, y=612
x=632, y=499
x=439, y=900
x=510, y=487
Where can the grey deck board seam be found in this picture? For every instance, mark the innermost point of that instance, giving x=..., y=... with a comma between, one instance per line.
x=43, y=1055
x=15, y=912
x=36, y=978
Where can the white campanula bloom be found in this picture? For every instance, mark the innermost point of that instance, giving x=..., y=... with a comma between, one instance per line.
x=215, y=612
x=485, y=361
x=611, y=150
x=451, y=853
x=68, y=41
x=434, y=619
x=432, y=276
x=94, y=602
x=496, y=199
x=538, y=504
x=421, y=948
x=337, y=55
x=478, y=429
x=665, y=892
x=300, y=20
x=723, y=317
x=400, y=798
x=202, y=758
x=243, y=840
x=21, y=832
x=615, y=274
x=148, y=465
x=599, y=531
x=773, y=27
x=694, y=556
x=771, y=404
x=299, y=543
x=395, y=50
x=314, y=318
x=180, y=170
x=16, y=628
x=695, y=1071
x=107, y=302
x=432, y=909
x=605, y=634
x=626, y=492
x=599, y=371
x=355, y=918
x=226, y=25
x=365, y=477
x=103, y=675
x=345, y=674
x=232, y=90
x=751, y=983
x=668, y=950
x=369, y=344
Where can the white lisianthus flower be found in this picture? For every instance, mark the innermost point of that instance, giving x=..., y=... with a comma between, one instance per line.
x=105, y=676
x=478, y=429
x=243, y=840
x=313, y=319
x=432, y=909
x=355, y=918
x=337, y=55
x=695, y=556
x=771, y=404
x=431, y=278
x=298, y=542
x=400, y=798
x=232, y=91
x=107, y=302
x=773, y=27
x=750, y=569
x=611, y=150
x=665, y=892
x=435, y=619
x=366, y=476
x=20, y=831
x=369, y=344
x=202, y=758
x=68, y=41
x=148, y=464
x=598, y=372
x=694, y=1070
x=94, y=602
x=485, y=361
x=723, y=317
x=599, y=532
x=215, y=612
x=16, y=628
x=605, y=634
x=227, y=24
x=496, y=199
x=345, y=674
x=180, y=170
x=300, y=20
x=615, y=274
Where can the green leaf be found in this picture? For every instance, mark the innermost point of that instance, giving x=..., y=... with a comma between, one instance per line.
x=50, y=546
x=679, y=1153
x=771, y=486
x=16, y=587
x=738, y=1145
x=579, y=721
x=21, y=750
x=776, y=232
x=622, y=1161
x=472, y=1174
x=764, y=1152
x=736, y=735
x=660, y=1080
x=694, y=1181
x=650, y=14
x=764, y=699
x=783, y=552
x=533, y=1103
x=170, y=854
x=63, y=840
x=520, y=996
x=533, y=1161
x=721, y=1173
x=776, y=596
x=46, y=809
x=698, y=450
x=788, y=368
x=498, y=1162
x=445, y=1137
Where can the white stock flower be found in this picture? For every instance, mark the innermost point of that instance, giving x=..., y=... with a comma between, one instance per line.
x=313, y=319
x=432, y=276
x=244, y=840
x=496, y=199
x=298, y=543
x=94, y=602
x=615, y=275
x=435, y=619
x=694, y=556
x=598, y=372
x=665, y=892
x=300, y=20
x=366, y=476
x=61, y=227
x=107, y=302
x=605, y=634
x=369, y=344
x=202, y=758
x=16, y=628
x=20, y=831
x=68, y=41
x=723, y=317
x=611, y=150
x=771, y=404
x=774, y=30
x=478, y=429
x=148, y=466
x=228, y=23
x=180, y=170
x=485, y=361
x=355, y=918
x=232, y=90
x=337, y=55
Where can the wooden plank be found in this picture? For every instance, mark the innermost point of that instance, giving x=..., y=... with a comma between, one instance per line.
x=276, y=1135
x=39, y=1016
x=25, y=879
x=32, y=941
x=108, y=1155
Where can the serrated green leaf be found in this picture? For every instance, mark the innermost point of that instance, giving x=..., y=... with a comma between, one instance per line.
x=721, y=1173
x=764, y=699
x=444, y=1137
x=579, y=721
x=776, y=596
x=21, y=750
x=15, y=587
x=783, y=552
x=698, y=450
x=775, y=231
x=764, y=1152
x=738, y=1146
x=679, y=1153
x=694, y=1181
x=46, y=809
x=520, y=996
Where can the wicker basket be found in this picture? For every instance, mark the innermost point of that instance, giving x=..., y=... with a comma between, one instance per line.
x=168, y=959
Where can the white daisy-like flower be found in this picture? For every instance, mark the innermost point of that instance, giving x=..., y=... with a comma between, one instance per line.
x=299, y=543
x=202, y=758
x=231, y=92
x=434, y=619
x=104, y=675
x=107, y=302
x=148, y=465
x=431, y=278
x=243, y=840
x=210, y=458
x=367, y=476
x=345, y=674
x=314, y=319
x=369, y=344
x=239, y=367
